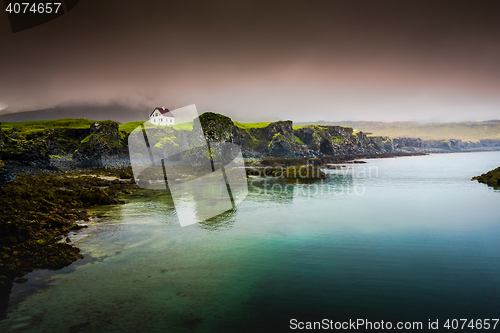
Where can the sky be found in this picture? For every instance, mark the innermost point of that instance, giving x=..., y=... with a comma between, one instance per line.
x=427, y=61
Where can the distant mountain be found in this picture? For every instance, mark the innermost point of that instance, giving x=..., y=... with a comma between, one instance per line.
x=116, y=112
x=467, y=131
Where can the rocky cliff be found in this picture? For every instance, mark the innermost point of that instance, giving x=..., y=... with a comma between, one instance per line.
x=86, y=143
x=30, y=152
x=104, y=139
x=282, y=139
x=34, y=146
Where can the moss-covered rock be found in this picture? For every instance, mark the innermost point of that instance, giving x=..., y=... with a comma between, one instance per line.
x=324, y=139
x=280, y=146
x=91, y=151
x=217, y=127
x=491, y=178
x=28, y=152
x=104, y=139
x=96, y=196
x=259, y=139
x=37, y=210
x=1, y=137
x=31, y=153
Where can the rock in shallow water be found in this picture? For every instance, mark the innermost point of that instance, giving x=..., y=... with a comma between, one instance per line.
x=491, y=178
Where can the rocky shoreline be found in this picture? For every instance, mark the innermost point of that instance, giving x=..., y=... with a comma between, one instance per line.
x=38, y=211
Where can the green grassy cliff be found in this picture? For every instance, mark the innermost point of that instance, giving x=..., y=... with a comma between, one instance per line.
x=86, y=141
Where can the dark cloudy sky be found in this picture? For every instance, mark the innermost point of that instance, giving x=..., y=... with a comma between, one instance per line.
x=300, y=60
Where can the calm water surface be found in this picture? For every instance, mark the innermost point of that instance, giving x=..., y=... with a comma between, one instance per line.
x=395, y=239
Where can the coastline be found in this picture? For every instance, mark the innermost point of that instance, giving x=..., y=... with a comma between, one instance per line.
x=330, y=159
x=108, y=176
x=40, y=211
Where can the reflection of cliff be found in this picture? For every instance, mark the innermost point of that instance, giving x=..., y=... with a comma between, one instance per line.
x=281, y=191
x=268, y=189
x=220, y=222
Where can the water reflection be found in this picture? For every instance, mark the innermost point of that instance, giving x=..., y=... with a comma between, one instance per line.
x=284, y=191
x=220, y=222
x=268, y=189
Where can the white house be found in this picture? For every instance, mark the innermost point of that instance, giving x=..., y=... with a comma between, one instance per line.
x=161, y=116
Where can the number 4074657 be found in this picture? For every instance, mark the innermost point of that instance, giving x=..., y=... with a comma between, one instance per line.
x=38, y=8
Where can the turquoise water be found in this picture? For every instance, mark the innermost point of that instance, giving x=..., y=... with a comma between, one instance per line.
x=404, y=239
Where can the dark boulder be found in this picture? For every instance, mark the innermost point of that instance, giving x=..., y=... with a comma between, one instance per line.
x=91, y=151
x=26, y=152
x=280, y=127
x=217, y=127
x=104, y=139
x=280, y=146
x=326, y=147
x=53, y=147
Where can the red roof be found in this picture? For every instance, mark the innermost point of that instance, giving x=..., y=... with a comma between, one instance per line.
x=164, y=111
